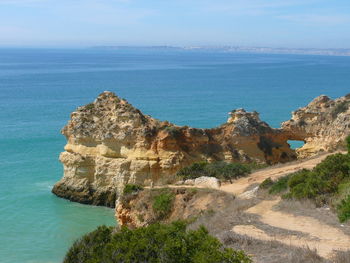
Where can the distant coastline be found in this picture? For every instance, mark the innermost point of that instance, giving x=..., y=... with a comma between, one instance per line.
x=242, y=49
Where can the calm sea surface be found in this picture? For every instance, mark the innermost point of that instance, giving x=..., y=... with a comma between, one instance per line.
x=39, y=88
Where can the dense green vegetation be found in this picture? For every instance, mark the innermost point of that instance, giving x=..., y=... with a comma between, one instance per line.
x=220, y=170
x=131, y=188
x=344, y=209
x=162, y=203
x=266, y=184
x=328, y=183
x=156, y=243
x=279, y=186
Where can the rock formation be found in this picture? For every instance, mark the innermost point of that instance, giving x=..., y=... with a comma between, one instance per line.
x=323, y=125
x=110, y=143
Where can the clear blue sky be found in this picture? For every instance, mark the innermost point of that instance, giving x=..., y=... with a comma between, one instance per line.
x=275, y=23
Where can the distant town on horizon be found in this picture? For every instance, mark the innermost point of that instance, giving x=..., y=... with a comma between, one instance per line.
x=225, y=48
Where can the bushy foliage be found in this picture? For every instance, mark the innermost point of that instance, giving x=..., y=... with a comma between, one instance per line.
x=220, y=170
x=131, y=188
x=348, y=144
x=162, y=203
x=156, y=243
x=328, y=183
x=90, y=247
x=279, y=186
x=267, y=183
x=344, y=209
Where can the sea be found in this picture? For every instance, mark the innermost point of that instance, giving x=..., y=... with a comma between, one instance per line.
x=39, y=88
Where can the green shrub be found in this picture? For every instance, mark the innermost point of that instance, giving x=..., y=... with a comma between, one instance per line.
x=220, y=170
x=162, y=204
x=323, y=181
x=348, y=143
x=280, y=185
x=266, y=184
x=343, y=209
x=334, y=166
x=156, y=243
x=328, y=183
x=194, y=171
x=90, y=247
x=256, y=166
x=131, y=188
x=343, y=189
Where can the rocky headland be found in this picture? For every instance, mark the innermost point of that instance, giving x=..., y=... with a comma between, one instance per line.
x=110, y=144
x=323, y=125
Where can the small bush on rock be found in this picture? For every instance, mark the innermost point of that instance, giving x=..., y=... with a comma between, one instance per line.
x=162, y=204
x=131, y=188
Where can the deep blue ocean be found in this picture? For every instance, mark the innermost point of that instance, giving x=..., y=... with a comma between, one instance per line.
x=39, y=88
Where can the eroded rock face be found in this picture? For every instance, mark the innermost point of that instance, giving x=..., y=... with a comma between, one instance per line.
x=110, y=143
x=323, y=125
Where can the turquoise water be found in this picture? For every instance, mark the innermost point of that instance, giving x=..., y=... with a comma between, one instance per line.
x=39, y=89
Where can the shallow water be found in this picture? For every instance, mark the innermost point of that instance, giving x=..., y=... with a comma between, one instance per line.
x=39, y=88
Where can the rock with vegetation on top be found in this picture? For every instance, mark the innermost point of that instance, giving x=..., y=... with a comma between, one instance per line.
x=323, y=125
x=110, y=144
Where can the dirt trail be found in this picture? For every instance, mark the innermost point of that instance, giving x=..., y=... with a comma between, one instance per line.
x=303, y=230
x=243, y=183
x=316, y=234
x=322, y=237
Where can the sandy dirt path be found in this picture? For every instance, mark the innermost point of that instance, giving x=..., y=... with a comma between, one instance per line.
x=320, y=236
x=317, y=235
x=243, y=183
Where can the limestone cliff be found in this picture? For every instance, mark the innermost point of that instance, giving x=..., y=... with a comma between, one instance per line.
x=323, y=125
x=110, y=143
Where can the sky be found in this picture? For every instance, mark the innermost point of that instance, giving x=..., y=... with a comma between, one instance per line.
x=272, y=23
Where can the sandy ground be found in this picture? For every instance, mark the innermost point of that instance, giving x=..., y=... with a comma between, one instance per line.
x=258, y=177
x=304, y=231
x=316, y=234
